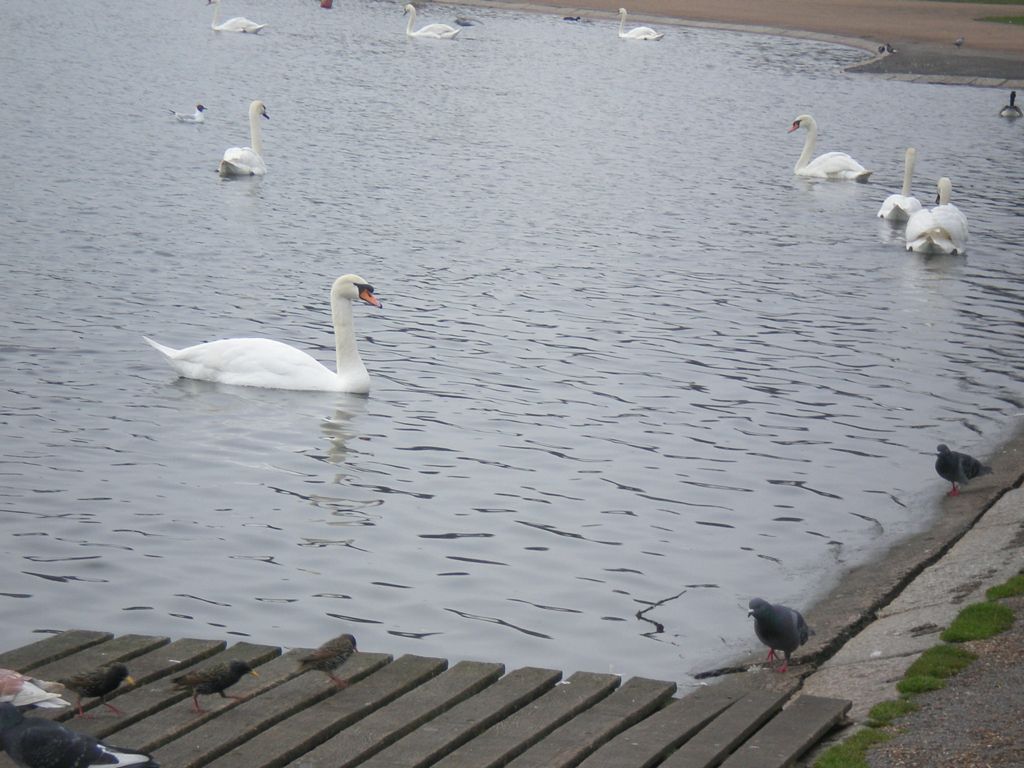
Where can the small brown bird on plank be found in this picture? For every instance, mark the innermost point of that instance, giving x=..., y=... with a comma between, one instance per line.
x=213, y=679
x=98, y=682
x=330, y=655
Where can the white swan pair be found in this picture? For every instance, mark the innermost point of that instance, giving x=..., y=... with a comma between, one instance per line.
x=637, y=33
x=432, y=31
x=902, y=206
x=943, y=229
x=247, y=161
x=236, y=24
x=831, y=165
x=195, y=117
x=275, y=365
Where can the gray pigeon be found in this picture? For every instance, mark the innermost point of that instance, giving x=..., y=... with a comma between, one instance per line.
x=38, y=743
x=958, y=468
x=780, y=628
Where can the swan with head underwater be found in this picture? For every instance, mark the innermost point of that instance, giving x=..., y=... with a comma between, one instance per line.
x=943, y=229
x=434, y=31
x=637, y=33
x=272, y=364
x=1011, y=110
x=247, y=161
x=236, y=24
x=902, y=206
x=831, y=165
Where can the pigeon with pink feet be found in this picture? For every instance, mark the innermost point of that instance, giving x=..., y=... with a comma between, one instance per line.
x=782, y=629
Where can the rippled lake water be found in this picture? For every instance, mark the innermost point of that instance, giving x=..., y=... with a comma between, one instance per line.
x=629, y=371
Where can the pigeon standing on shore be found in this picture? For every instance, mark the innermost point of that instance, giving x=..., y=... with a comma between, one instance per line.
x=35, y=742
x=958, y=468
x=330, y=655
x=98, y=682
x=213, y=679
x=958, y=42
x=778, y=627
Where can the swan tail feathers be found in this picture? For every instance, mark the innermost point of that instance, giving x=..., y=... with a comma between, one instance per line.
x=864, y=175
x=167, y=352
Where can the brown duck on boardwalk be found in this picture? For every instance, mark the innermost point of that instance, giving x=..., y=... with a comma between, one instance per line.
x=98, y=682
x=330, y=655
x=213, y=680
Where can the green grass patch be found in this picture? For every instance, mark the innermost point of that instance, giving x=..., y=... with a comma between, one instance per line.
x=852, y=753
x=978, y=621
x=1004, y=19
x=1011, y=588
x=885, y=712
x=941, y=661
x=920, y=684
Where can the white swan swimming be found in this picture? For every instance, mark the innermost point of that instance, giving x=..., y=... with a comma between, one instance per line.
x=185, y=117
x=275, y=365
x=236, y=24
x=831, y=165
x=943, y=229
x=637, y=33
x=247, y=161
x=1011, y=110
x=902, y=206
x=435, y=31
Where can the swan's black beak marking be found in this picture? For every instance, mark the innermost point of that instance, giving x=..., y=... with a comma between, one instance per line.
x=366, y=294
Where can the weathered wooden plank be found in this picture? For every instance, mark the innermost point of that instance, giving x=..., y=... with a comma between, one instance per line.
x=789, y=734
x=122, y=648
x=462, y=722
x=168, y=710
x=568, y=745
x=727, y=731
x=649, y=741
x=234, y=727
x=28, y=657
x=402, y=716
x=517, y=733
x=146, y=669
x=289, y=739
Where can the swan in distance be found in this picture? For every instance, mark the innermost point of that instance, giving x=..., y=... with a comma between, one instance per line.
x=236, y=24
x=831, y=165
x=274, y=365
x=902, y=206
x=434, y=31
x=1011, y=110
x=637, y=33
x=247, y=161
x=185, y=117
x=943, y=229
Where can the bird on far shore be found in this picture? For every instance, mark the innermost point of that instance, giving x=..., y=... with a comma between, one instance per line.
x=98, y=682
x=330, y=655
x=890, y=49
x=1011, y=110
x=34, y=742
x=958, y=468
x=958, y=42
x=195, y=117
x=780, y=628
x=213, y=679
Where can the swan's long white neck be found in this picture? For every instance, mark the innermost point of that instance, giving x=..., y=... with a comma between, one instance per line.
x=809, y=142
x=945, y=190
x=412, y=20
x=255, y=132
x=622, y=22
x=216, y=14
x=908, y=170
x=346, y=353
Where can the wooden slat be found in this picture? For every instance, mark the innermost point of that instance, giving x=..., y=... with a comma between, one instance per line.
x=386, y=726
x=649, y=741
x=568, y=745
x=169, y=712
x=520, y=731
x=239, y=724
x=790, y=733
x=28, y=657
x=123, y=648
x=285, y=741
x=727, y=731
x=466, y=720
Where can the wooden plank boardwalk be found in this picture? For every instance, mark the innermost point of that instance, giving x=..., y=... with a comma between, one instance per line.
x=415, y=711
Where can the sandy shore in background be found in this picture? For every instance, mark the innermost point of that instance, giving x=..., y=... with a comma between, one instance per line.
x=921, y=31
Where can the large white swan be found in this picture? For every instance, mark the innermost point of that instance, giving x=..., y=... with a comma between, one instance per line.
x=185, y=117
x=831, y=165
x=902, y=206
x=943, y=229
x=637, y=33
x=1011, y=110
x=236, y=24
x=435, y=31
x=275, y=365
x=247, y=161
